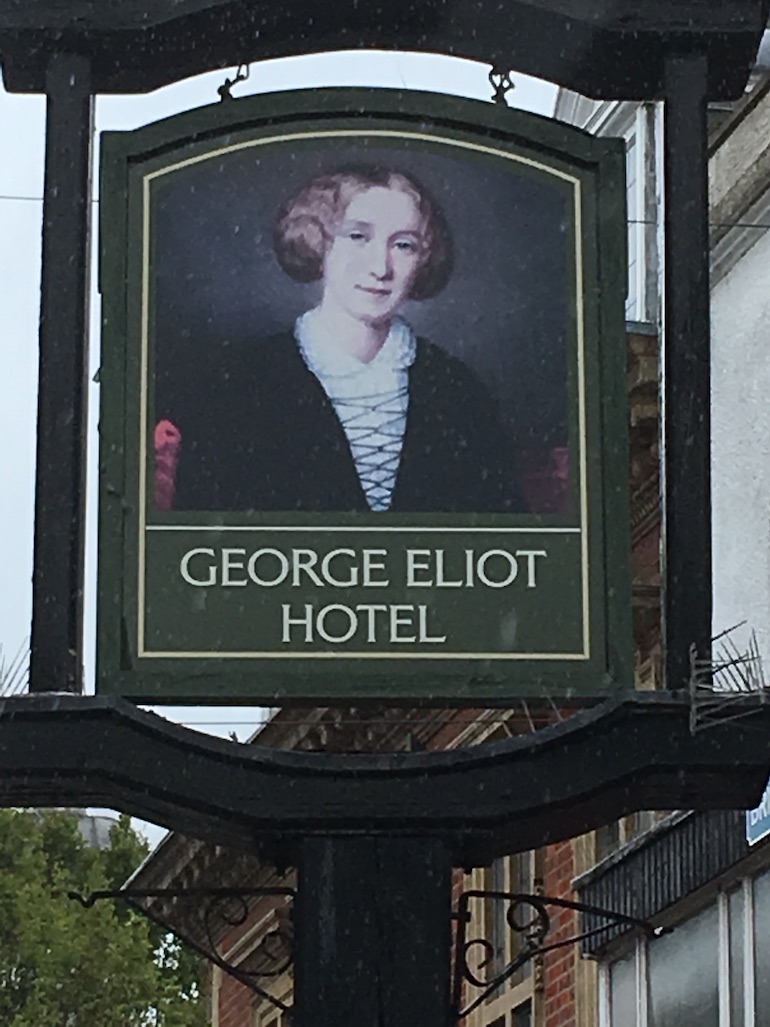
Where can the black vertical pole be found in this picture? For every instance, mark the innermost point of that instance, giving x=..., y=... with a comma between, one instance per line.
x=57, y=583
x=686, y=399
x=372, y=933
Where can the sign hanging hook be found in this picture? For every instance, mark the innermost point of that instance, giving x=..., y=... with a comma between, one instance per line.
x=225, y=90
x=501, y=83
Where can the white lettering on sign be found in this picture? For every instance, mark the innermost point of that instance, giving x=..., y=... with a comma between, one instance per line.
x=344, y=568
x=347, y=568
x=338, y=624
x=208, y=569
x=494, y=568
x=340, y=568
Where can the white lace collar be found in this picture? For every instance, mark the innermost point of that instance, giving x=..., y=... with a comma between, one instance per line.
x=325, y=358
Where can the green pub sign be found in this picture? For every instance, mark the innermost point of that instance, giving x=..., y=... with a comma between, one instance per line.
x=363, y=420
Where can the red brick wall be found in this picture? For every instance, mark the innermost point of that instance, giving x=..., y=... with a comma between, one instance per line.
x=236, y=1003
x=559, y=970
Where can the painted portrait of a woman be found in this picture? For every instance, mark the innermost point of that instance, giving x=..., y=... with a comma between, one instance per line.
x=348, y=409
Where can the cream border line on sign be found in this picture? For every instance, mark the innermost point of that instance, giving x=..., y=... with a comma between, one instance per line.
x=143, y=404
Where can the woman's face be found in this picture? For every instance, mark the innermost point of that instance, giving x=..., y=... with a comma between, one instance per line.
x=376, y=253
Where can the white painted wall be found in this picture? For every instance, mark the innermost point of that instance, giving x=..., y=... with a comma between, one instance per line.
x=741, y=447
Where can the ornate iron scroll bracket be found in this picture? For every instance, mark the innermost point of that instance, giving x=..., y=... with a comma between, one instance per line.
x=243, y=795
x=207, y=911
x=502, y=84
x=478, y=964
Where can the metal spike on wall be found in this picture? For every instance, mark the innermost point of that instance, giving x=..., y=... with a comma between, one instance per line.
x=729, y=676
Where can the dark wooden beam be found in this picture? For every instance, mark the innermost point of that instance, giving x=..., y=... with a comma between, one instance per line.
x=610, y=51
x=643, y=15
x=632, y=754
x=686, y=381
x=57, y=584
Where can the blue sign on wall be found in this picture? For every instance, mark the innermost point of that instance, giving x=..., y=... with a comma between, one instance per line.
x=758, y=820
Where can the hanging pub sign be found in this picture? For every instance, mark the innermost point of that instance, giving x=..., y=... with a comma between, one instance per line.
x=363, y=421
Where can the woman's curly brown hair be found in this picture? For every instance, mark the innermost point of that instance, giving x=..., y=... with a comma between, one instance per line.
x=305, y=228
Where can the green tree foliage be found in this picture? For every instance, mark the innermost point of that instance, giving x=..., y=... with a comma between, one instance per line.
x=65, y=966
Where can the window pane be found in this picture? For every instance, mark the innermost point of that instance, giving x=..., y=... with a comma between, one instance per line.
x=684, y=973
x=497, y=928
x=521, y=873
x=607, y=839
x=522, y=1016
x=762, y=948
x=623, y=992
x=736, y=958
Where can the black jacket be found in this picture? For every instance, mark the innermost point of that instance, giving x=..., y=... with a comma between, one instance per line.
x=268, y=438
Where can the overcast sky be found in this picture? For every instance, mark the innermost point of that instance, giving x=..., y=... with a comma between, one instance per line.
x=21, y=188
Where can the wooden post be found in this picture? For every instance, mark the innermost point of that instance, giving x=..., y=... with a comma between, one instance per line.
x=686, y=399
x=57, y=584
x=372, y=932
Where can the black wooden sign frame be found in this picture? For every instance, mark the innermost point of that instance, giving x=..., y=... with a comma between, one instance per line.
x=77, y=750
x=175, y=623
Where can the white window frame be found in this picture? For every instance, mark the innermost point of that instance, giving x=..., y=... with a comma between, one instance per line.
x=642, y=124
x=638, y=228
x=641, y=965
x=749, y=955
